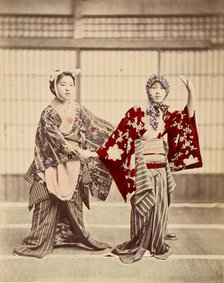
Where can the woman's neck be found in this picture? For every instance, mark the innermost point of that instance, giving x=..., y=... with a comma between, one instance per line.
x=60, y=106
x=60, y=103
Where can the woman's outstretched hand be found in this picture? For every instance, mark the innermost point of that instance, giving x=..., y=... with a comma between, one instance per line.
x=188, y=84
x=85, y=153
x=190, y=89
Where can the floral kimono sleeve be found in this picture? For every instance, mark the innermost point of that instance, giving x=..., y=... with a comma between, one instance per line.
x=51, y=148
x=184, y=150
x=95, y=175
x=94, y=129
x=117, y=153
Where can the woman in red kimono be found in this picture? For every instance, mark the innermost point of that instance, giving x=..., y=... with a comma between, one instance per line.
x=64, y=170
x=140, y=163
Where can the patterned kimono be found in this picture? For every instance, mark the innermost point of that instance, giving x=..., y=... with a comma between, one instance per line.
x=60, y=181
x=127, y=159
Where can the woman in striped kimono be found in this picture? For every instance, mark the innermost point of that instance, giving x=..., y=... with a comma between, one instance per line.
x=140, y=163
x=64, y=170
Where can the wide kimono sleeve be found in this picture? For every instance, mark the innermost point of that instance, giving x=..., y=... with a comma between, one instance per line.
x=117, y=153
x=183, y=142
x=95, y=131
x=51, y=148
x=94, y=128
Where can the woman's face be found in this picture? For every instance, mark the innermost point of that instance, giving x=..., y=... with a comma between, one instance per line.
x=157, y=92
x=65, y=87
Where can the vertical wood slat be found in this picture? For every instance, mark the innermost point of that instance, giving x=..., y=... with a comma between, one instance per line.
x=191, y=188
x=205, y=69
x=25, y=94
x=111, y=82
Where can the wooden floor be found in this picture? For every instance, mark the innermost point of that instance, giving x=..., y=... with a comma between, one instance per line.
x=198, y=254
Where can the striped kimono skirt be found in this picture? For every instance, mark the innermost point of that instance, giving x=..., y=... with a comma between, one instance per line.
x=148, y=229
x=56, y=223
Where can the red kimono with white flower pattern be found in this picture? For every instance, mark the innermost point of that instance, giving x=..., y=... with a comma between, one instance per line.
x=117, y=152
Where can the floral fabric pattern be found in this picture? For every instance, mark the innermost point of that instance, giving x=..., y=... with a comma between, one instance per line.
x=52, y=147
x=184, y=150
x=117, y=152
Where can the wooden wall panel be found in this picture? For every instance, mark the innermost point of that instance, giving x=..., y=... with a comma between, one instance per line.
x=192, y=188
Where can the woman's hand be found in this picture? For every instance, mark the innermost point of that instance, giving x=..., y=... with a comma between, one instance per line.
x=85, y=153
x=190, y=89
x=188, y=84
x=92, y=154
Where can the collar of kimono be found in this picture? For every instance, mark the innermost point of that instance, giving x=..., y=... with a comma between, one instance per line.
x=67, y=114
x=153, y=111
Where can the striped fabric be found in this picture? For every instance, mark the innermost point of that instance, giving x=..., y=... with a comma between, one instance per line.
x=143, y=199
x=170, y=180
x=151, y=229
x=146, y=213
x=154, y=153
x=38, y=193
x=44, y=234
x=148, y=230
x=38, y=189
x=154, y=146
x=40, y=241
x=149, y=213
x=86, y=177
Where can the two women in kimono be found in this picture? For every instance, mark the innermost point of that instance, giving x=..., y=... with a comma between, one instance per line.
x=136, y=155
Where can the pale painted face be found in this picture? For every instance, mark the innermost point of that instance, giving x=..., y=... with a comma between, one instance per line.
x=157, y=92
x=65, y=88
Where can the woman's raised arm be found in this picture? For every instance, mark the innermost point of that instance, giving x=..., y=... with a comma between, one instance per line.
x=191, y=92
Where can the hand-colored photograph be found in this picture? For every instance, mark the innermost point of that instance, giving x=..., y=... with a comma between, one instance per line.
x=112, y=141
